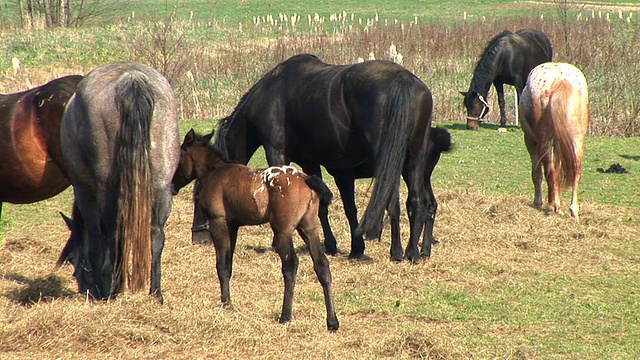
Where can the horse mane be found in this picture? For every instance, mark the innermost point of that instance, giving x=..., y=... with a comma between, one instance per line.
x=214, y=148
x=485, y=66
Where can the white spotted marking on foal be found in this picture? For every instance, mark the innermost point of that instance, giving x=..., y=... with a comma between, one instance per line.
x=271, y=173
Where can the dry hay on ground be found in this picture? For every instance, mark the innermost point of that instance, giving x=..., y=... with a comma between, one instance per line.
x=487, y=242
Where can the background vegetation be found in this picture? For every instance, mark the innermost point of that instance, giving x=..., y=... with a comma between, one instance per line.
x=506, y=281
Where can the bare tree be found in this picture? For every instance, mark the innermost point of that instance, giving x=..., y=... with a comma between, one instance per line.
x=63, y=13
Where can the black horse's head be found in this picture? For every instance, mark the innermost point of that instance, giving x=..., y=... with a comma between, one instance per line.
x=91, y=268
x=186, y=171
x=477, y=108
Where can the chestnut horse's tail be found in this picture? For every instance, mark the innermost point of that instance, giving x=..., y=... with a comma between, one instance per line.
x=317, y=185
x=399, y=110
x=561, y=140
x=135, y=102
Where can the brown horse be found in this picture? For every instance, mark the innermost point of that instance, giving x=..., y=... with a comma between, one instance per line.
x=234, y=195
x=555, y=111
x=31, y=165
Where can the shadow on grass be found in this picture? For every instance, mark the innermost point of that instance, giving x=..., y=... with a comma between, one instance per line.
x=41, y=289
x=484, y=126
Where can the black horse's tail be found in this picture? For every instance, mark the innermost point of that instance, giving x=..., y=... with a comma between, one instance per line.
x=398, y=112
x=135, y=103
x=440, y=141
x=315, y=183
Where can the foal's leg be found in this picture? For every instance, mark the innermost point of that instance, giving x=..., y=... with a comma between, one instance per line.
x=220, y=234
x=283, y=244
x=161, y=210
x=199, y=233
x=309, y=233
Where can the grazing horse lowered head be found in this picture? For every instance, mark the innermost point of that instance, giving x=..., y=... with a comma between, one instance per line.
x=31, y=164
x=507, y=59
x=234, y=195
x=555, y=111
x=121, y=144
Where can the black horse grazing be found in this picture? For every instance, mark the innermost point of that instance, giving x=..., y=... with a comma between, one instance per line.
x=507, y=59
x=361, y=120
x=120, y=141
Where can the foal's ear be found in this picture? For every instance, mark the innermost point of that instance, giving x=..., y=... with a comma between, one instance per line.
x=190, y=137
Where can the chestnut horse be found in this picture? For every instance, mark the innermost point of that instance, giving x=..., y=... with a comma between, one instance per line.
x=31, y=164
x=121, y=143
x=234, y=195
x=555, y=111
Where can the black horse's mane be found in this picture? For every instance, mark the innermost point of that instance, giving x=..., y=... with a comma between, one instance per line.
x=485, y=66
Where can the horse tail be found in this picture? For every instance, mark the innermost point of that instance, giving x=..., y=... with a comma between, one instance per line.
x=439, y=141
x=317, y=185
x=135, y=102
x=561, y=139
x=398, y=112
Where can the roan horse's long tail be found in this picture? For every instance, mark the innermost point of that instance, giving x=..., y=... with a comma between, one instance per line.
x=398, y=112
x=135, y=102
x=560, y=141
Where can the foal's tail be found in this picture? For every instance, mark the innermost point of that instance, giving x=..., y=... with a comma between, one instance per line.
x=398, y=124
x=561, y=141
x=315, y=183
x=135, y=102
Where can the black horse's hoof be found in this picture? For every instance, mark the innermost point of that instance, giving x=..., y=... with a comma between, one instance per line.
x=333, y=325
x=356, y=256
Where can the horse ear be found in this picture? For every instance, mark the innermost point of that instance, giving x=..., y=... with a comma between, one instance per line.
x=208, y=137
x=464, y=93
x=67, y=220
x=190, y=137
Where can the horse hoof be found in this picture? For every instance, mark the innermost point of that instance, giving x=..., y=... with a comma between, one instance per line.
x=284, y=319
x=333, y=325
x=356, y=256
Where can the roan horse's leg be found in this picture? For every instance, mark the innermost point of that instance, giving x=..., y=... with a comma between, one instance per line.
x=161, y=210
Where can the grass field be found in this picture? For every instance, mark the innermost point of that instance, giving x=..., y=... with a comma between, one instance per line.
x=507, y=281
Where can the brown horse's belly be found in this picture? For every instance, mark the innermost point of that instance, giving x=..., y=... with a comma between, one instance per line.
x=31, y=182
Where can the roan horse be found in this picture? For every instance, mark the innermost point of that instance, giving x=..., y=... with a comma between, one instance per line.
x=121, y=144
x=31, y=164
x=555, y=110
x=507, y=59
x=364, y=120
x=234, y=195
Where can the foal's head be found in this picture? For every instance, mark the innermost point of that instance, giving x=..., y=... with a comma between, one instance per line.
x=197, y=156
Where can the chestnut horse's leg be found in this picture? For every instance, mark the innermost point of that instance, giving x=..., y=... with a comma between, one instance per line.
x=553, y=187
x=309, y=233
x=283, y=244
x=221, y=235
x=574, y=207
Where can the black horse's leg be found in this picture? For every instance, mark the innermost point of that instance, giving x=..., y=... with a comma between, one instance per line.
x=309, y=233
x=161, y=210
x=501, y=103
x=396, y=241
x=417, y=210
x=345, y=182
x=221, y=241
x=432, y=204
x=283, y=244
x=199, y=233
x=330, y=244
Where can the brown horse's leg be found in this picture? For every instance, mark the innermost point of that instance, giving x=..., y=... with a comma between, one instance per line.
x=221, y=241
x=283, y=244
x=309, y=233
x=501, y=103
